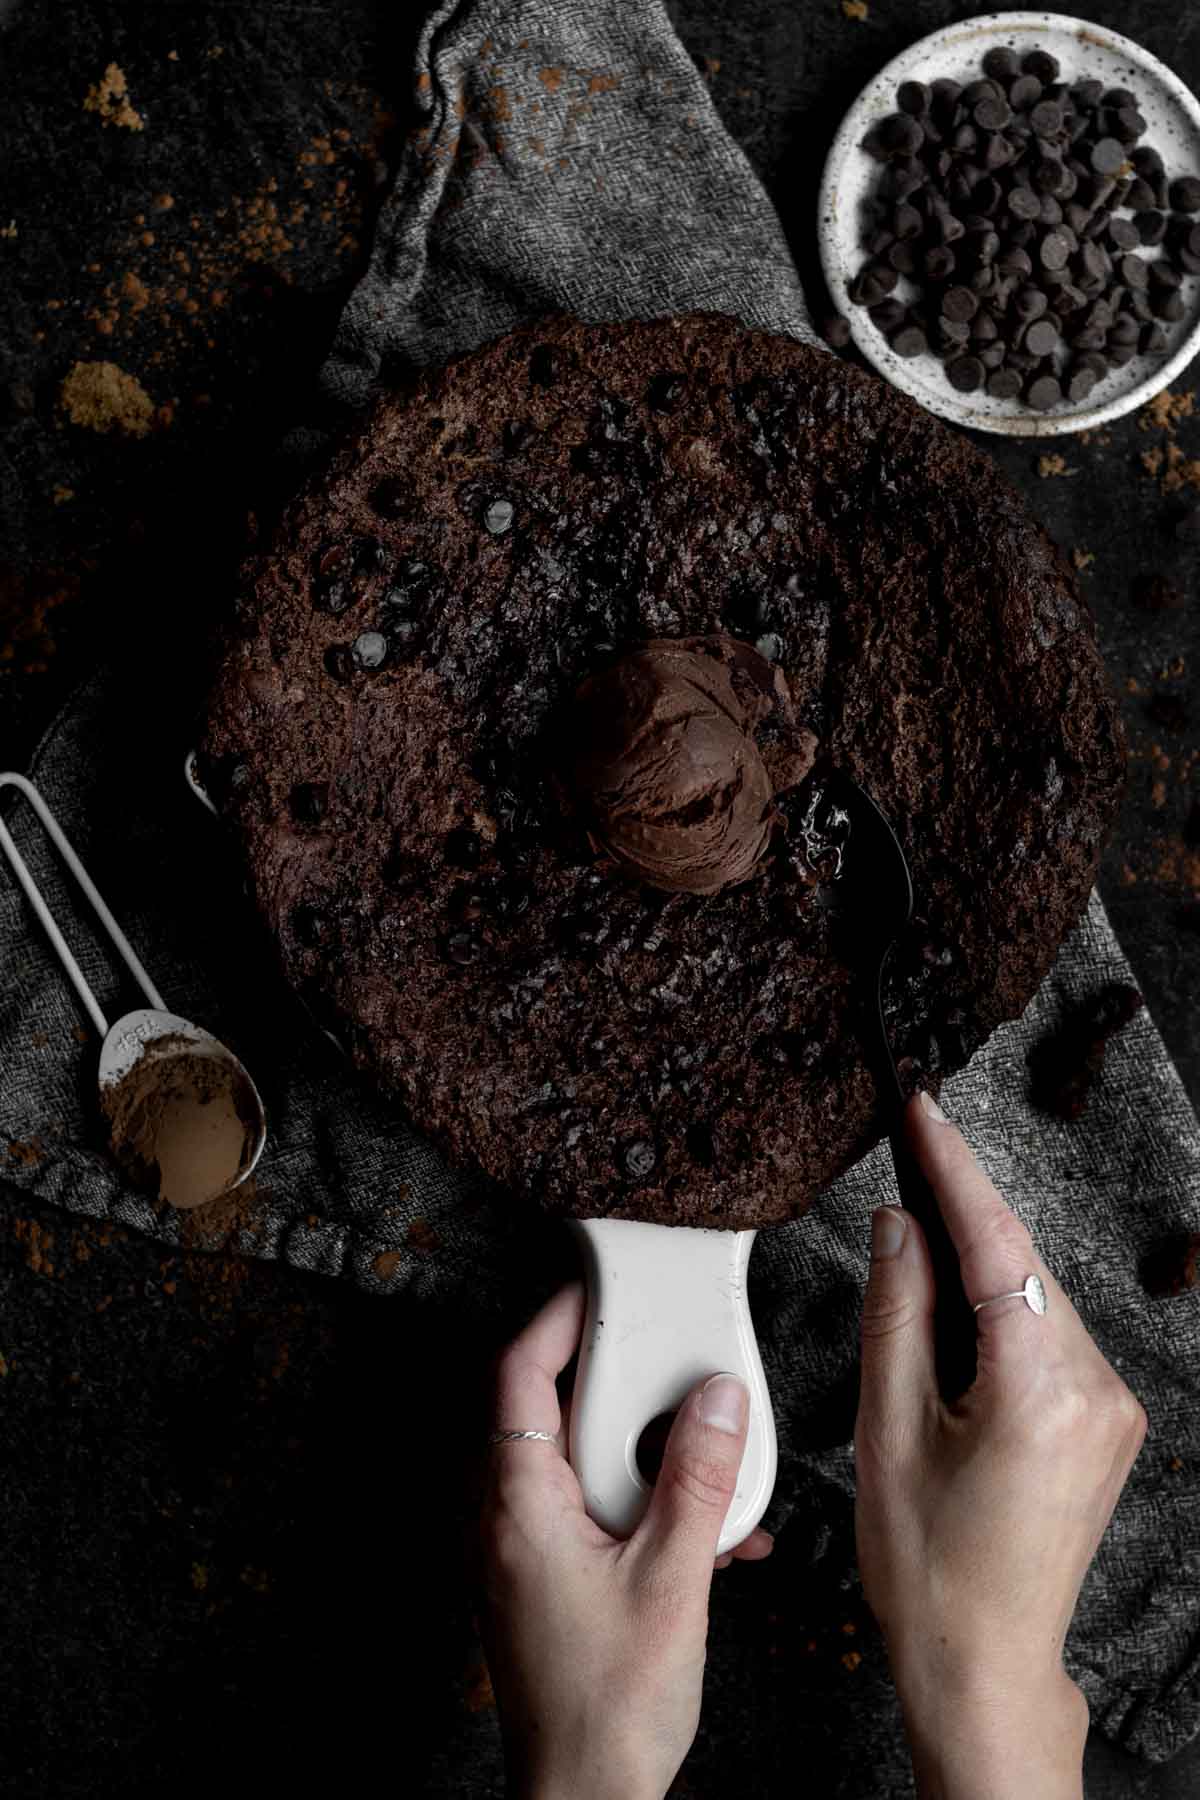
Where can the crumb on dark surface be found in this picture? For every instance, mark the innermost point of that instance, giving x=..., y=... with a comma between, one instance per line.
x=1170, y=1267
x=1064, y=1065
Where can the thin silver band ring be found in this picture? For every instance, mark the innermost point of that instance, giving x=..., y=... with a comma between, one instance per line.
x=522, y=1437
x=1033, y=1294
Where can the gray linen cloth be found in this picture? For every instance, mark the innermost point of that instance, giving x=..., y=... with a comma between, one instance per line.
x=569, y=158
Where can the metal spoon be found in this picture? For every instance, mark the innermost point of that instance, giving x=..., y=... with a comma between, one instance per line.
x=148, y=1031
x=873, y=903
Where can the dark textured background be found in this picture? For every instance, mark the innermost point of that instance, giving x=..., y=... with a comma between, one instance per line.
x=187, y=1561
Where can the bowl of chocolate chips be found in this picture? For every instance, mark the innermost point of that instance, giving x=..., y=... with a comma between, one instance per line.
x=1010, y=224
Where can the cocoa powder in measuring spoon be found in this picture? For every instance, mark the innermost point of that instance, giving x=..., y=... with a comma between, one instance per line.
x=182, y=1125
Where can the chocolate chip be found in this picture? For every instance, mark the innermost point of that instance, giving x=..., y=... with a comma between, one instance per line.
x=498, y=516
x=1107, y=156
x=1184, y=194
x=1054, y=251
x=1162, y=275
x=390, y=498
x=939, y=263
x=1046, y=118
x=1041, y=337
x=1153, y=341
x=1041, y=64
x=1025, y=92
x=1002, y=63
x=1133, y=271
x=992, y=114
x=1123, y=234
x=953, y=333
x=1030, y=303
x=308, y=802
x=1014, y=260
x=1023, y=203
x=665, y=390
x=959, y=303
x=872, y=284
x=462, y=848
x=1080, y=383
x=913, y=97
x=463, y=947
x=1004, y=384
x=965, y=374
x=910, y=340
x=1168, y=306
x=1086, y=95
x=943, y=95
x=888, y=316
x=1044, y=392
x=369, y=650
x=639, y=1159
x=544, y=366
x=984, y=327
x=1151, y=227
x=901, y=135
x=835, y=329
x=334, y=596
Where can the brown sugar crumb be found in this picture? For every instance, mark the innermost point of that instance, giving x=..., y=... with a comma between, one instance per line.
x=104, y=397
x=61, y=495
x=163, y=202
x=28, y=1155
x=3, y=1366
x=1165, y=411
x=1170, y=1266
x=37, y=1243
x=199, y=1577
x=855, y=9
x=604, y=84
x=109, y=97
x=551, y=79
x=479, y=1695
x=1152, y=460
x=422, y=1237
x=386, y=1264
x=1154, y=593
x=852, y=1658
x=1054, y=464
x=1081, y=558
x=1158, y=795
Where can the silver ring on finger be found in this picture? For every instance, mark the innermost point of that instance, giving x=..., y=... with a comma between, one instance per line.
x=1033, y=1294
x=522, y=1437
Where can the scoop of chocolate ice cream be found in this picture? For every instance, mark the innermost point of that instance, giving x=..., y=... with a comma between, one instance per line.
x=673, y=785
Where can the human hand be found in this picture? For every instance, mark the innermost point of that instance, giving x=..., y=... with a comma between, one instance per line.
x=976, y=1523
x=596, y=1647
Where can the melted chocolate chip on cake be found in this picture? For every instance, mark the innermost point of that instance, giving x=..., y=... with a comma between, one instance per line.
x=422, y=796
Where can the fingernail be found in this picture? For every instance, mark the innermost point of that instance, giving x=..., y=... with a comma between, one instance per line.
x=888, y=1231
x=932, y=1110
x=723, y=1403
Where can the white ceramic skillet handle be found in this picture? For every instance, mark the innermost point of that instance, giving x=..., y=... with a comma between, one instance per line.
x=666, y=1307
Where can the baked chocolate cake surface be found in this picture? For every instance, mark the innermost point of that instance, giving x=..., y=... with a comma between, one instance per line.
x=396, y=730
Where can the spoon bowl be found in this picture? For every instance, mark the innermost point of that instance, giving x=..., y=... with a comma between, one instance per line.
x=150, y=1034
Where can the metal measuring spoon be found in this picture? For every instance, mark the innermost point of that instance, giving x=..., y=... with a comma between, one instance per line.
x=147, y=1032
x=872, y=893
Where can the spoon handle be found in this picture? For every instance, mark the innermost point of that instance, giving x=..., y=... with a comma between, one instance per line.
x=954, y=1322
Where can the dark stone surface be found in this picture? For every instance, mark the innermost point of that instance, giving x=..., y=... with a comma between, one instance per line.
x=223, y=1556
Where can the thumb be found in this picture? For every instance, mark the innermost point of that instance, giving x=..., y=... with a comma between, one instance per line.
x=698, y=1477
x=899, y=1370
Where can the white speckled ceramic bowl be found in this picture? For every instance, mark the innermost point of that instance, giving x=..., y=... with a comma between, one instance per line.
x=1085, y=52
